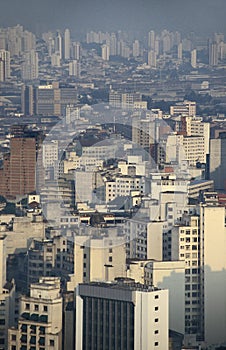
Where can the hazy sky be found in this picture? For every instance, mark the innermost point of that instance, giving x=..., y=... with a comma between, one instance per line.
x=204, y=16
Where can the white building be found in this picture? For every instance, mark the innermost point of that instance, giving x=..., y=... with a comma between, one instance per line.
x=152, y=59
x=105, y=52
x=204, y=254
x=194, y=148
x=29, y=68
x=144, y=311
x=7, y=298
x=194, y=58
x=49, y=153
x=67, y=44
x=187, y=108
x=164, y=275
x=167, y=182
x=123, y=185
x=74, y=68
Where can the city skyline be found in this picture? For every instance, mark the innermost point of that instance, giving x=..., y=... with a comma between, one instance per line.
x=203, y=17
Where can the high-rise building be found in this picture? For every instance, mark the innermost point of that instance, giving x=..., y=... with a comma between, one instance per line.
x=113, y=45
x=194, y=58
x=58, y=45
x=193, y=241
x=28, y=41
x=218, y=162
x=7, y=298
x=76, y=51
x=67, y=44
x=52, y=99
x=136, y=48
x=4, y=65
x=29, y=68
x=213, y=53
x=19, y=168
x=123, y=100
x=74, y=68
x=164, y=275
x=40, y=318
x=105, y=52
x=97, y=258
x=151, y=40
x=180, y=51
x=121, y=315
x=145, y=132
x=152, y=59
x=28, y=100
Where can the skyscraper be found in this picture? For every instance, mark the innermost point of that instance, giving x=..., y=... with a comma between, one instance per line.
x=151, y=40
x=67, y=44
x=194, y=58
x=29, y=69
x=4, y=65
x=136, y=48
x=76, y=50
x=105, y=52
x=152, y=59
x=213, y=53
x=17, y=177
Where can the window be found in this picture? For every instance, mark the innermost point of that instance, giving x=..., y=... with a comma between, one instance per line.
x=27, y=306
x=156, y=331
x=156, y=343
x=156, y=308
x=51, y=342
x=156, y=296
x=110, y=258
x=45, y=308
x=13, y=337
x=36, y=307
x=156, y=319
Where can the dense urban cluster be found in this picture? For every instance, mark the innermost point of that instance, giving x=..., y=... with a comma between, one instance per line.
x=112, y=191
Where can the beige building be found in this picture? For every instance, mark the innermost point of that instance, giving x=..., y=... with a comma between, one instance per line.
x=164, y=275
x=97, y=259
x=40, y=319
x=141, y=316
x=7, y=298
x=200, y=241
x=24, y=229
x=186, y=108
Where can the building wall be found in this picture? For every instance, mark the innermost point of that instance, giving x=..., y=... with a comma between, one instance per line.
x=151, y=320
x=218, y=162
x=212, y=219
x=170, y=275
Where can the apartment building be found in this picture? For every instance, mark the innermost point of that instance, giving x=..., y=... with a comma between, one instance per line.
x=40, y=319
